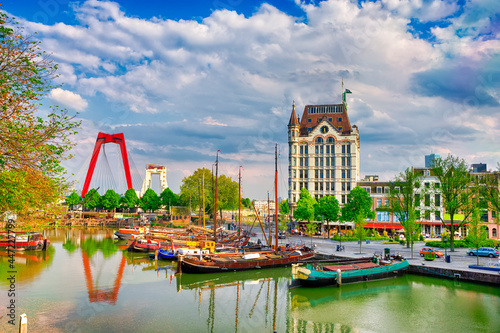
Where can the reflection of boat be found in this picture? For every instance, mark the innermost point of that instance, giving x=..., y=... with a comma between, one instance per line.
x=219, y=280
x=255, y=260
x=306, y=298
x=32, y=241
x=320, y=275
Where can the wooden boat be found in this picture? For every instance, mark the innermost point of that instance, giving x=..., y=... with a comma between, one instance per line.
x=241, y=262
x=144, y=245
x=30, y=242
x=316, y=275
x=129, y=233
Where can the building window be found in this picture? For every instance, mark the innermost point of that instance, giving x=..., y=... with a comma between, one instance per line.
x=343, y=187
x=332, y=186
x=426, y=173
x=494, y=232
x=343, y=161
x=343, y=149
x=306, y=161
x=316, y=186
x=305, y=174
x=327, y=173
x=321, y=161
x=301, y=150
x=383, y=216
x=343, y=174
x=417, y=200
x=321, y=174
x=340, y=128
x=327, y=186
x=330, y=119
x=301, y=161
x=437, y=215
x=427, y=215
x=348, y=186
x=348, y=159
x=348, y=148
x=437, y=200
x=321, y=186
x=301, y=174
x=349, y=174
x=379, y=189
x=379, y=202
x=316, y=149
x=343, y=199
x=332, y=161
x=327, y=161
x=316, y=174
x=427, y=200
x=328, y=149
x=427, y=185
x=306, y=148
x=339, y=119
x=316, y=161
x=437, y=185
x=309, y=120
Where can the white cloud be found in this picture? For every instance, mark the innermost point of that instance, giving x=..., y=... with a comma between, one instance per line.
x=68, y=99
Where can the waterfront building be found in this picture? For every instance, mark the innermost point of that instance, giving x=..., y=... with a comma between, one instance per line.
x=323, y=152
x=480, y=167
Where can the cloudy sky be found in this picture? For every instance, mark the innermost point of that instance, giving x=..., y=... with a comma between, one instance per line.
x=183, y=79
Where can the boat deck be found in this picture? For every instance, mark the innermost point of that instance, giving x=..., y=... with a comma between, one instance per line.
x=350, y=267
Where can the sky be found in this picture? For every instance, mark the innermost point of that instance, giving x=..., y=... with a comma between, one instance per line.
x=184, y=79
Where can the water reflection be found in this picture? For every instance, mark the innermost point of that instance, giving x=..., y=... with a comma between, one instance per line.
x=27, y=264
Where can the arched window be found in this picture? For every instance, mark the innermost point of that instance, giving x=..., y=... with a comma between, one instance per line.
x=494, y=232
x=319, y=140
x=330, y=140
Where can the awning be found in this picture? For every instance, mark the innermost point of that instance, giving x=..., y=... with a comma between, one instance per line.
x=383, y=226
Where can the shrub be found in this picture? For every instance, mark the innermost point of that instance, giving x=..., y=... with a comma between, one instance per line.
x=421, y=238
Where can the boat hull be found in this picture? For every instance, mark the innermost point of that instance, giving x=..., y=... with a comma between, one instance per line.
x=31, y=242
x=194, y=265
x=311, y=277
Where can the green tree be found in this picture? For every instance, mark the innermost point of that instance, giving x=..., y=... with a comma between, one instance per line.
x=284, y=208
x=357, y=209
x=490, y=191
x=31, y=145
x=168, y=198
x=311, y=229
x=150, y=201
x=402, y=203
x=92, y=199
x=191, y=189
x=358, y=203
x=227, y=196
x=246, y=202
x=110, y=200
x=457, y=189
x=130, y=200
x=476, y=233
x=327, y=209
x=305, y=206
x=73, y=199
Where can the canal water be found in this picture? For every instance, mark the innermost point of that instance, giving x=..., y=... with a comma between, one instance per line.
x=86, y=282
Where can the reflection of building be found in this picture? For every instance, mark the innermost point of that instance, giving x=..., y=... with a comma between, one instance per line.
x=323, y=152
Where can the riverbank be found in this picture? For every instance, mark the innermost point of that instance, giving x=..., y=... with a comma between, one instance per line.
x=457, y=269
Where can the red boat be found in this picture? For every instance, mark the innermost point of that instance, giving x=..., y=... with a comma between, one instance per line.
x=29, y=242
x=254, y=260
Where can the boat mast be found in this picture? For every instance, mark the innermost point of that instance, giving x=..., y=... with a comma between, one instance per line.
x=269, y=219
x=203, y=196
x=239, y=205
x=276, y=193
x=215, y=203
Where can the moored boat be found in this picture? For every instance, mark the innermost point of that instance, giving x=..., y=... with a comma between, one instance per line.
x=240, y=262
x=129, y=233
x=30, y=242
x=316, y=275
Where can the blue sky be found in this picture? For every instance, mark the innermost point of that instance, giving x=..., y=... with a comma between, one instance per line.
x=183, y=79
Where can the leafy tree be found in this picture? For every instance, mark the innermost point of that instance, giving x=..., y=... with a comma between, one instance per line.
x=284, y=208
x=359, y=230
x=327, y=209
x=110, y=200
x=311, y=229
x=29, y=141
x=476, y=233
x=454, y=177
x=168, y=198
x=92, y=199
x=130, y=200
x=31, y=146
x=73, y=199
x=490, y=191
x=21, y=191
x=191, y=189
x=149, y=201
x=227, y=195
x=305, y=206
x=246, y=202
x=358, y=203
x=402, y=203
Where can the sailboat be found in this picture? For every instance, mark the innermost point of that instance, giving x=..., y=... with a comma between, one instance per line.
x=277, y=257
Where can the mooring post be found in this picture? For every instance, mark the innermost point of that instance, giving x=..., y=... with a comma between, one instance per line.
x=339, y=277
x=23, y=323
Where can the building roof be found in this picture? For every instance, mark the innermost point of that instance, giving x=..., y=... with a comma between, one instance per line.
x=314, y=115
x=293, y=118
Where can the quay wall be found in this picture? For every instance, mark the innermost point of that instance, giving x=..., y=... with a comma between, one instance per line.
x=456, y=274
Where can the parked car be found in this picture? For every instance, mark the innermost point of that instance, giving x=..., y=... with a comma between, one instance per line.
x=484, y=252
x=437, y=254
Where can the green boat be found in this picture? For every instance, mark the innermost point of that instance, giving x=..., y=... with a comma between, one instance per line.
x=317, y=275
